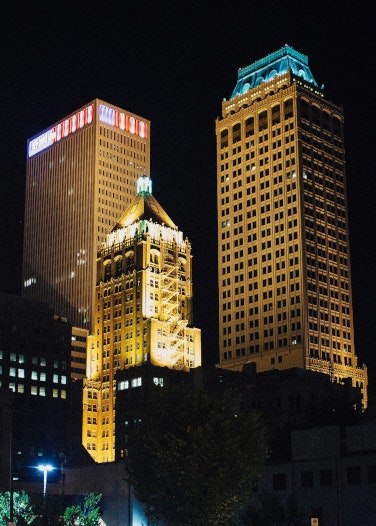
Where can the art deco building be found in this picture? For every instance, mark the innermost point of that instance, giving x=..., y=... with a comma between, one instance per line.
x=143, y=312
x=81, y=174
x=284, y=264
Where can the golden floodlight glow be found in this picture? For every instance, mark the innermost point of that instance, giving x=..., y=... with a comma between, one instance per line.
x=143, y=312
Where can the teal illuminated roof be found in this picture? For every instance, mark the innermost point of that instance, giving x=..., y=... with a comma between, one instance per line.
x=274, y=64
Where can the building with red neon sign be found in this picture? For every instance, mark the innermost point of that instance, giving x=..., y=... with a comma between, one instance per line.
x=81, y=175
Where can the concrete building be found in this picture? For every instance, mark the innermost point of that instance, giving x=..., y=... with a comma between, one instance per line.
x=143, y=312
x=81, y=175
x=285, y=295
x=330, y=477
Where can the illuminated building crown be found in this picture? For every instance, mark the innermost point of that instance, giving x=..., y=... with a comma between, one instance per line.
x=145, y=207
x=274, y=64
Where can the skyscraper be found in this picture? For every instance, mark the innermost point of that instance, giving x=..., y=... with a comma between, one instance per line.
x=285, y=295
x=81, y=175
x=143, y=312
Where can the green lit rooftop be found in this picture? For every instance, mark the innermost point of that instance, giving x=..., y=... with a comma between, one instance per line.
x=274, y=64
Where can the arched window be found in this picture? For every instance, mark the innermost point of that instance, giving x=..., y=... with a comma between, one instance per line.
x=107, y=271
x=118, y=267
x=129, y=262
x=224, y=138
x=182, y=267
x=263, y=120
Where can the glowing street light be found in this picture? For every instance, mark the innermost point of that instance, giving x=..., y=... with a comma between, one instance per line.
x=45, y=468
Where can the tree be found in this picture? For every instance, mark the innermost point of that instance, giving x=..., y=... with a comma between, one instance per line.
x=23, y=513
x=88, y=515
x=193, y=456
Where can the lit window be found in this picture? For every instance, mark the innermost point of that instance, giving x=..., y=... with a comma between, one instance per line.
x=63, y=394
x=136, y=382
x=21, y=373
x=55, y=393
x=42, y=377
x=56, y=379
x=34, y=375
x=42, y=391
x=34, y=390
x=12, y=371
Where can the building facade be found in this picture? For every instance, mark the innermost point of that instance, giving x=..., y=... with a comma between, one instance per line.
x=81, y=175
x=330, y=478
x=285, y=295
x=35, y=361
x=143, y=312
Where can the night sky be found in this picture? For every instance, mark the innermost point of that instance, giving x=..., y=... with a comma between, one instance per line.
x=173, y=62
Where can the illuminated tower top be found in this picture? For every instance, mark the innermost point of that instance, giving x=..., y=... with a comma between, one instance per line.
x=272, y=65
x=146, y=207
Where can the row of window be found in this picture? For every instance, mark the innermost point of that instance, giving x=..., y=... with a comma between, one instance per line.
x=35, y=360
x=35, y=390
x=326, y=477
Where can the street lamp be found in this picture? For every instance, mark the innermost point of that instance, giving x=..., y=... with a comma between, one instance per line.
x=45, y=468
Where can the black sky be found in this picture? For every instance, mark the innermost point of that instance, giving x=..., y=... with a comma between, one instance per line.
x=173, y=62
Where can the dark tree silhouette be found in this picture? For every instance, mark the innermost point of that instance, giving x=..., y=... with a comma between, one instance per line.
x=193, y=456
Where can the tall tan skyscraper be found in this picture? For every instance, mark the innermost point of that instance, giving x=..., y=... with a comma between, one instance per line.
x=284, y=264
x=143, y=312
x=81, y=175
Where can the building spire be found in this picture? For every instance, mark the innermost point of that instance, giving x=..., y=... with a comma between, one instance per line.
x=144, y=186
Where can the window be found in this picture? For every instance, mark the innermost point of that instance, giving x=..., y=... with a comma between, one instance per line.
x=353, y=475
x=279, y=481
x=136, y=382
x=371, y=474
x=307, y=479
x=326, y=477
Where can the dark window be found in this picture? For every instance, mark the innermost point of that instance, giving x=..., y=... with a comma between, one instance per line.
x=371, y=474
x=249, y=127
x=224, y=138
x=236, y=133
x=326, y=477
x=276, y=115
x=307, y=479
x=353, y=475
x=279, y=481
x=263, y=120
